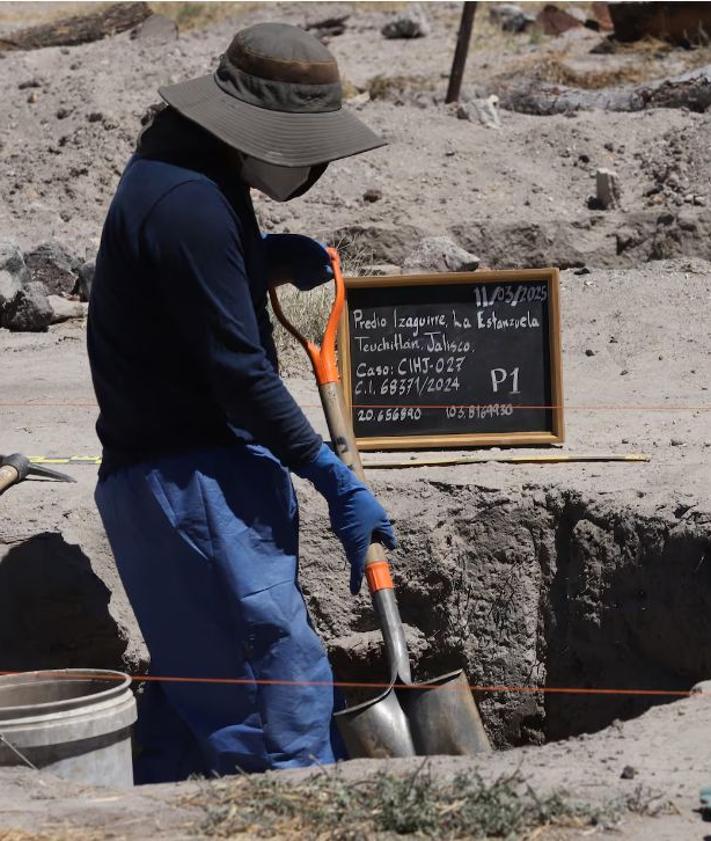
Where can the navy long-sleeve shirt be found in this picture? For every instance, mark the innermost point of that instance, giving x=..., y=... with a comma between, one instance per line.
x=179, y=337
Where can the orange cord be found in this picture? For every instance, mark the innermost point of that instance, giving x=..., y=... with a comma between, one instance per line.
x=557, y=690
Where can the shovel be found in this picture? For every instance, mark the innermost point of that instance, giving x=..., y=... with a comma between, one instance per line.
x=407, y=719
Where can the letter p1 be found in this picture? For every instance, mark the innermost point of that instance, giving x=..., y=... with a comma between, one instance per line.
x=499, y=377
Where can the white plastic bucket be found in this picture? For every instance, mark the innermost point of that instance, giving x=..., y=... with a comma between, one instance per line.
x=75, y=723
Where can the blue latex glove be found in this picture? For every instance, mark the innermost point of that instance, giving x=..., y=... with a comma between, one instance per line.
x=297, y=259
x=357, y=518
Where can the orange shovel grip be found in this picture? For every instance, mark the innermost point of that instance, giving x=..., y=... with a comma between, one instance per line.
x=323, y=357
x=378, y=576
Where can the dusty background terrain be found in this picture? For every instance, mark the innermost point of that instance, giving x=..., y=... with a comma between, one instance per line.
x=529, y=576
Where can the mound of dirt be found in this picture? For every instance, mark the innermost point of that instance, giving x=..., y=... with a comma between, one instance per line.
x=70, y=117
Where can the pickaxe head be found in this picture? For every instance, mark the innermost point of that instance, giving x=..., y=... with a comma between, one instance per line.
x=25, y=468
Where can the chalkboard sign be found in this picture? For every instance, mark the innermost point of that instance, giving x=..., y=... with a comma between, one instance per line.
x=453, y=360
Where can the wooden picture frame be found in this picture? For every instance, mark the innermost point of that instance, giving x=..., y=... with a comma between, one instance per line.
x=556, y=434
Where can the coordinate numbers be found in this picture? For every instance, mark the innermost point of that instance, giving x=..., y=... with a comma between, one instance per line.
x=413, y=413
x=393, y=414
x=491, y=410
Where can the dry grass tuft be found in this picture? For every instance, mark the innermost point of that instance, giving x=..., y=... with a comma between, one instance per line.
x=200, y=15
x=553, y=69
x=398, y=87
x=643, y=62
x=329, y=806
x=349, y=89
x=50, y=835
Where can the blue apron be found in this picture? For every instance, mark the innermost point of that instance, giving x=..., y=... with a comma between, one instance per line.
x=206, y=544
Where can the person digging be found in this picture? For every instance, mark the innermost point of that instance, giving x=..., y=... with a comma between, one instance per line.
x=199, y=433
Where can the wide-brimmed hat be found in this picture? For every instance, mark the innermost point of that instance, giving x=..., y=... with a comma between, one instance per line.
x=276, y=96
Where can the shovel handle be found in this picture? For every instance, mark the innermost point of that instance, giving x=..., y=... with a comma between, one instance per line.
x=323, y=357
x=323, y=361
x=377, y=569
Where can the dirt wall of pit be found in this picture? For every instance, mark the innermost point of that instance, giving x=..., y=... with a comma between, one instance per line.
x=537, y=589
x=530, y=589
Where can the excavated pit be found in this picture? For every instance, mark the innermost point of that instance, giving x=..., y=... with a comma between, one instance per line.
x=534, y=590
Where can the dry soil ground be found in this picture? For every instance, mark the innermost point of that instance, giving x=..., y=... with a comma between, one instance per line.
x=529, y=576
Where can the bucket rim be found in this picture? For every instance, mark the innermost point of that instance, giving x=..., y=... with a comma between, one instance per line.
x=120, y=683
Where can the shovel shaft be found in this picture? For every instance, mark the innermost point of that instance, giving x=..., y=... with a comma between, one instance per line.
x=377, y=570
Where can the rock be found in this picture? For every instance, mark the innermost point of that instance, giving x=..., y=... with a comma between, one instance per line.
x=64, y=310
x=29, y=310
x=412, y=23
x=330, y=26
x=607, y=186
x=440, y=254
x=157, y=29
x=628, y=773
x=372, y=195
x=86, y=278
x=52, y=264
x=601, y=15
x=376, y=243
x=555, y=21
x=589, y=352
x=683, y=24
x=34, y=82
x=510, y=17
x=484, y=111
x=12, y=261
x=9, y=287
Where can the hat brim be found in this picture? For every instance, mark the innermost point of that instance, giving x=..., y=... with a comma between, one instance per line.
x=279, y=137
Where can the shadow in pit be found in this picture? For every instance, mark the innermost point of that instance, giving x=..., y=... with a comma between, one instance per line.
x=629, y=608
x=54, y=609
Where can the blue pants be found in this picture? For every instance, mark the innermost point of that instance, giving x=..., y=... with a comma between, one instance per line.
x=206, y=544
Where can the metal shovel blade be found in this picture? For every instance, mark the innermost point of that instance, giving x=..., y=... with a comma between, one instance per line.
x=443, y=717
x=377, y=728
x=427, y=719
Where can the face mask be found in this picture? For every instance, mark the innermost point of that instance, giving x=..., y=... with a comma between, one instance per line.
x=280, y=183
